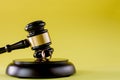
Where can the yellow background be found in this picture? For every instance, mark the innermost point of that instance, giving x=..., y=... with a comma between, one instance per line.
x=87, y=32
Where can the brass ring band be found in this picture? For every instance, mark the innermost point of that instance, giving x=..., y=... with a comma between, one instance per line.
x=39, y=39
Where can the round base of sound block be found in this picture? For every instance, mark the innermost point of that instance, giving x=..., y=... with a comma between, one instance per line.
x=32, y=68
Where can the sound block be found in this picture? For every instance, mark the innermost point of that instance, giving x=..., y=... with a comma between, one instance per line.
x=32, y=68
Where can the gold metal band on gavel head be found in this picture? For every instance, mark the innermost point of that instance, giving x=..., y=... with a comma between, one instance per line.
x=39, y=39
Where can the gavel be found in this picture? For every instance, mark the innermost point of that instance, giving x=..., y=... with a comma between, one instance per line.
x=38, y=39
x=42, y=66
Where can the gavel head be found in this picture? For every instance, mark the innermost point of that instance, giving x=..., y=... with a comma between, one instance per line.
x=39, y=39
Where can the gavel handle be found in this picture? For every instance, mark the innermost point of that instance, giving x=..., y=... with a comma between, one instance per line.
x=2, y=50
x=19, y=45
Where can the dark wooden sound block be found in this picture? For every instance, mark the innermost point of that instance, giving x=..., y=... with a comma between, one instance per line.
x=32, y=68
